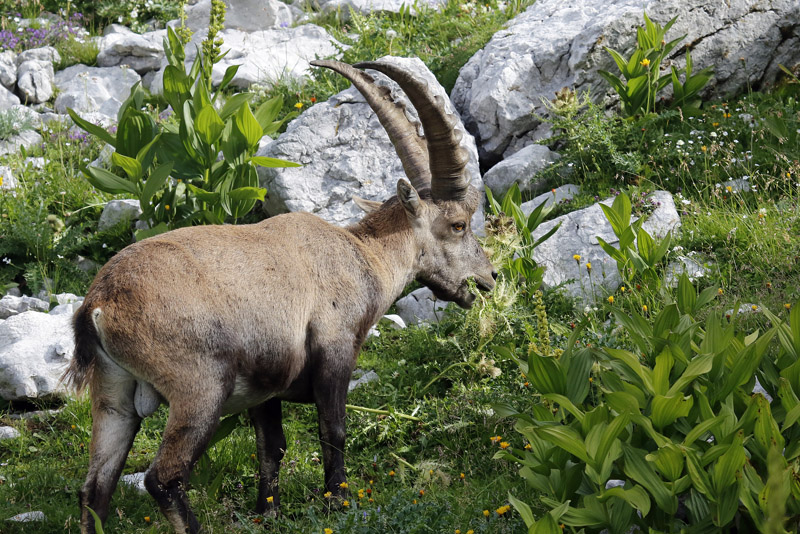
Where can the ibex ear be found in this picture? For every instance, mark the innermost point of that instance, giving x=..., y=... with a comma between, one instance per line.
x=367, y=205
x=409, y=198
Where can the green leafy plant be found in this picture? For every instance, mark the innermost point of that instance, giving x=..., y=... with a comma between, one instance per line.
x=665, y=436
x=638, y=255
x=641, y=74
x=174, y=169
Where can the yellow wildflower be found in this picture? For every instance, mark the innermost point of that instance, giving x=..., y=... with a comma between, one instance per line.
x=345, y=503
x=787, y=306
x=622, y=289
x=644, y=308
x=754, y=307
x=588, y=266
x=328, y=531
x=270, y=499
x=504, y=445
x=463, y=476
x=486, y=513
x=645, y=62
x=576, y=257
x=327, y=494
x=611, y=299
x=343, y=485
x=720, y=291
x=391, y=473
x=299, y=105
x=503, y=509
x=147, y=519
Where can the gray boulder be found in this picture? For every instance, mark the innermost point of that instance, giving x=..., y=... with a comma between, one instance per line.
x=26, y=138
x=27, y=517
x=345, y=152
x=7, y=179
x=116, y=211
x=45, y=53
x=368, y=6
x=421, y=306
x=35, y=80
x=95, y=93
x=521, y=168
x=556, y=44
x=243, y=15
x=11, y=305
x=578, y=235
x=556, y=196
x=35, y=349
x=8, y=69
x=7, y=98
x=142, y=53
x=8, y=432
x=264, y=56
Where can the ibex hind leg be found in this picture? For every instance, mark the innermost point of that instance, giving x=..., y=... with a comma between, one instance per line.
x=271, y=446
x=114, y=426
x=193, y=418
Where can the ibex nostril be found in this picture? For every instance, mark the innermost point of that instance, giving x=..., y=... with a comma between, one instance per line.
x=494, y=275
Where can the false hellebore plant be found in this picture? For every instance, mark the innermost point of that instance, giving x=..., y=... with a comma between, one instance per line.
x=175, y=169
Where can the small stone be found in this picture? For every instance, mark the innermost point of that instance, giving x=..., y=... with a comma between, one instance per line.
x=28, y=517
x=8, y=432
x=421, y=306
x=134, y=480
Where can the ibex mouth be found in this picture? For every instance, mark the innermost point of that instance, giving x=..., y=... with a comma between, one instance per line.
x=483, y=285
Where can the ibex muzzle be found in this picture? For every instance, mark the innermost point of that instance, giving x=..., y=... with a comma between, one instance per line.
x=218, y=319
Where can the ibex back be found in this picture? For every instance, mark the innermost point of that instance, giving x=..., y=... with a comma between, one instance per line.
x=219, y=319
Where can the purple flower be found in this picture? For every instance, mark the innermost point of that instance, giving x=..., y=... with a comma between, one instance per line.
x=284, y=24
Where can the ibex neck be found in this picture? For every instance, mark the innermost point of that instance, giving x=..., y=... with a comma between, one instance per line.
x=389, y=248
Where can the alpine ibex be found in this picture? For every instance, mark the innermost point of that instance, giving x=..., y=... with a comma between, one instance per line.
x=217, y=319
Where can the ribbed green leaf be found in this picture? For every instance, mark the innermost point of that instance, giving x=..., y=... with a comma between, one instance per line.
x=108, y=182
x=640, y=470
x=546, y=374
x=248, y=125
x=156, y=180
x=724, y=470
x=263, y=161
x=699, y=366
x=636, y=497
x=566, y=438
x=523, y=509
x=131, y=166
x=208, y=125
x=665, y=410
x=97, y=131
x=668, y=460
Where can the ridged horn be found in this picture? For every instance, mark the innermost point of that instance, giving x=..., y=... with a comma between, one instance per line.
x=409, y=145
x=447, y=159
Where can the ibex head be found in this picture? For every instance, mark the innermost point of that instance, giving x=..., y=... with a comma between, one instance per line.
x=439, y=201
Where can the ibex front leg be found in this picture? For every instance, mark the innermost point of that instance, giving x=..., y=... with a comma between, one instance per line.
x=271, y=445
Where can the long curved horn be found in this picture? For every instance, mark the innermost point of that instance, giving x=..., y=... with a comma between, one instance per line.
x=448, y=159
x=410, y=146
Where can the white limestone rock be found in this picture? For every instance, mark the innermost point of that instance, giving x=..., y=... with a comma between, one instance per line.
x=556, y=44
x=521, y=168
x=243, y=15
x=26, y=138
x=35, y=349
x=142, y=53
x=421, y=306
x=35, y=81
x=578, y=235
x=8, y=432
x=11, y=305
x=8, y=69
x=264, y=56
x=116, y=211
x=94, y=92
x=7, y=98
x=556, y=196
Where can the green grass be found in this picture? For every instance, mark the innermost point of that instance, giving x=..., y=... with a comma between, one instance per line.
x=46, y=466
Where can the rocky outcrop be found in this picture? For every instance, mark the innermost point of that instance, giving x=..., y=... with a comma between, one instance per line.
x=94, y=93
x=35, y=349
x=578, y=235
x=345, y=152
x=556, y=44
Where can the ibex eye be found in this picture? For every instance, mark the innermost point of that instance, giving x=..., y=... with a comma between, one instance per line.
x=459, y=226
